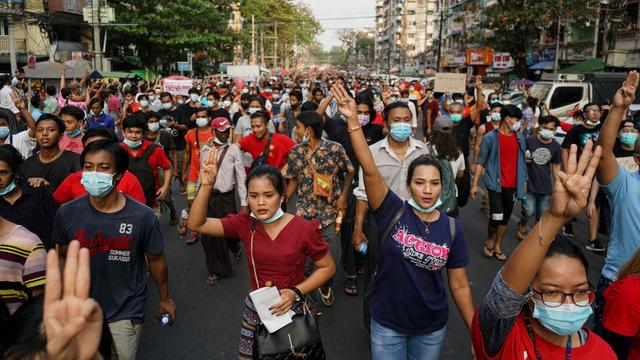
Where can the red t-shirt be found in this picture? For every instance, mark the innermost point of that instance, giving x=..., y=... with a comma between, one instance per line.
x=378, y=119
x=435, y=109
x=280, y=261
x=157, y=159
x=519, y=346
x=75, y=145
x=622, y=311
x=71, y=188
x=195, y=146
x=280, y=147
x=508, y=160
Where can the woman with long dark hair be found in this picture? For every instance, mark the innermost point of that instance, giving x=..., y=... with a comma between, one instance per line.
x=277, y=244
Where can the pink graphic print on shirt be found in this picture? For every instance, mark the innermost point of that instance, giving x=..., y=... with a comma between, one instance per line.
x=421, y=253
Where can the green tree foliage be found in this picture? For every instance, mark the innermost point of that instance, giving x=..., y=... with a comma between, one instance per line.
x=167, y=29
x=296, y=25
x=515, y=26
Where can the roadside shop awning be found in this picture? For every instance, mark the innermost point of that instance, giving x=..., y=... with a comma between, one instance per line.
x=542, y=65
x=591, y=65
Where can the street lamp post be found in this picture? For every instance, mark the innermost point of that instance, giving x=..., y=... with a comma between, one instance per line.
x=440, y=37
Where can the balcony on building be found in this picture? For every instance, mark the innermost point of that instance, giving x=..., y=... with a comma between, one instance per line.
x=20, y=44
x=628, y=38
x=68, y=6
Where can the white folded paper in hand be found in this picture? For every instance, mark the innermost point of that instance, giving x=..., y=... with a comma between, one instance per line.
x=263, y=299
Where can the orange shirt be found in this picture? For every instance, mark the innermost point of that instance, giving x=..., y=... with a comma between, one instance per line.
x=196, y=143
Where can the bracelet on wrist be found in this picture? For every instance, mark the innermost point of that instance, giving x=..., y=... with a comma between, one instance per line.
x=354, y=128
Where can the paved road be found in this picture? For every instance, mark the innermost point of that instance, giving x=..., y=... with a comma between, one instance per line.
x=209, y=317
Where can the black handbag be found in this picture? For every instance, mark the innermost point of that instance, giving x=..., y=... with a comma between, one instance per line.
x=298, y=340
x=262, y=159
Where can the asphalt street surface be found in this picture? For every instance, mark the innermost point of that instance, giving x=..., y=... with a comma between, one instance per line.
x=208, y=317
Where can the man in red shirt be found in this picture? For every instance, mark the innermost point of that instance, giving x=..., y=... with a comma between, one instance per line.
x=195, y=139
x=502, y=160
x=255, y=144
x=144, y=159
x=71, y=188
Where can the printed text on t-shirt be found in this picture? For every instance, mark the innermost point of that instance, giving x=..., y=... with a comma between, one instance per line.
x=420, y=252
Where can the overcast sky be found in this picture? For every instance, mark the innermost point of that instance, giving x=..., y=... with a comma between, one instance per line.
x=324, y=10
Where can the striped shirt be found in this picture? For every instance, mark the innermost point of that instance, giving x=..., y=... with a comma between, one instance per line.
x=22, y=266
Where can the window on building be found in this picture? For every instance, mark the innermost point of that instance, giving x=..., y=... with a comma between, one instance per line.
x=566, y=95
x=4, y=27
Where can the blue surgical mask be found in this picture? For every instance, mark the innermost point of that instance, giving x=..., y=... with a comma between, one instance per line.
x=94, y=114
x=132, y=144
x=496, y=116
x=400, y=132
x=144, y=103
x=422, y=210
x=194, y=97
x=456, y=118
x=563, y=320
x=153, y=127
x=202, y=122
x=546, y=134
x=629, y=139
x=75, y=133
x=167, y=105
x=8, y=189
x=97, y=184
x=4, y=132
x=516, y=126
x=253, y=110
x=275, y=217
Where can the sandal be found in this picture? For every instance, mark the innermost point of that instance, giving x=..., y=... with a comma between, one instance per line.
x=500, y=255
x=193, y=239
x=351, y=287
x=212, y=279
x=487, y=251
x=521, y=233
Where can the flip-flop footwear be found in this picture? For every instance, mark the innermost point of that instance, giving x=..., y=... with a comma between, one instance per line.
x=487, y=251
x=500, y=256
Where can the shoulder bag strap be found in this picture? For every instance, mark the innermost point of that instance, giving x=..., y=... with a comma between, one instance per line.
x=253, y=261
x=387, y=231
x=452, y=229
x=265, y=152
x=224, y=152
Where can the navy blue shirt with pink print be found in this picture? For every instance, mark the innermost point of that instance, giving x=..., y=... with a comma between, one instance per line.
x=410, y=295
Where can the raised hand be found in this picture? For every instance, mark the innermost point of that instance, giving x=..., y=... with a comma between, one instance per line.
x=479, y=84
x=209, y=169
x=18, y=101
x=571, y=189
x=346, y=104
x=627, y=93
x=72, y=321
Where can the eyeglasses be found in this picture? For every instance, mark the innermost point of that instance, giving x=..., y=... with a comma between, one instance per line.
x=556, y=298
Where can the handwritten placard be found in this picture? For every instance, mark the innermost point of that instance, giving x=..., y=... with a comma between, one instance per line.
x=628, y=164
x=178, y=87
x=450, y=82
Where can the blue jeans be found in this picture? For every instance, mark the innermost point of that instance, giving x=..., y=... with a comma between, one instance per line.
x=388, y=344
x=535, y=204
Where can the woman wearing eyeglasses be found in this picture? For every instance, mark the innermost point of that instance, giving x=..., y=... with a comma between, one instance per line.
x=539, y=302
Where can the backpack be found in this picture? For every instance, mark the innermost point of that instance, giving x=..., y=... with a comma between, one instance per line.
x=448, y=195
x=142, y=170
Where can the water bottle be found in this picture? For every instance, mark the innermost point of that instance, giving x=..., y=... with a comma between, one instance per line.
x=363, y=248
x=165, y=320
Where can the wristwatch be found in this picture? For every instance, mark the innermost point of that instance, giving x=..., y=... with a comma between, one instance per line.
x=299, y=294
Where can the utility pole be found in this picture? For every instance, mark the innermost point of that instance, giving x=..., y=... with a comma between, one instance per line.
x=557, y=55
x=596, y=32
x=12, y=43
x=97, y=54
x=261, y=47
x=253, y=40
x=275, y=46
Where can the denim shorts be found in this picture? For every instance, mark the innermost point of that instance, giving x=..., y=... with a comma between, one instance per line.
x=388, y=344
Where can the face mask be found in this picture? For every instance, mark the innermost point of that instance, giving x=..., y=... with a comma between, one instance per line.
x=194, y=97
x=164, y=123
x=202, y=122
x=422, y=210
x=253, y=110
x=132, y=144
x=593, y=123
x=97, y=184
x=563, y=320
x=275, y=217
x=411, y=88
x=167, y=105
x=400, y=132
x=629, y=139
x=8, y=189
x=153, y=127
x=455, y=118
x=459, y=101
x=546, y=134
x=405, y=100
x=152, y=98
x=493, y=101
x=506, y=102
x=181, y=101
x=4, y=132
x=144, y=103
x=363, y=119
x=496, y=117
x=211, y=103
x=94, y=114
x=245, y=91
x=75, y=133
x=275, y=97
x=515, y=127
x=268, y=91
x=227, y=103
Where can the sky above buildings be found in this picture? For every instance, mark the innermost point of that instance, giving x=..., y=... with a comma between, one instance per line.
x=336, y=14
